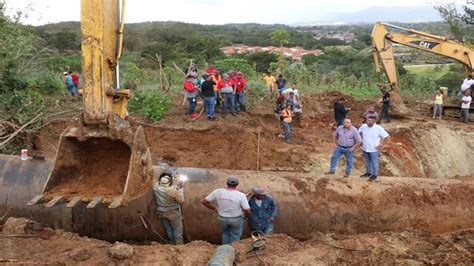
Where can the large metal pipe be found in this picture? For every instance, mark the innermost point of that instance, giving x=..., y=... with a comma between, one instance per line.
x=307, y=204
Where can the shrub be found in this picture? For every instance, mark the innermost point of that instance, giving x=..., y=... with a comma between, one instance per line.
x=151, y=104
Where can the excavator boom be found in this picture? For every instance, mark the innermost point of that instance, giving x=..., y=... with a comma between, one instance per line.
x=382, y=41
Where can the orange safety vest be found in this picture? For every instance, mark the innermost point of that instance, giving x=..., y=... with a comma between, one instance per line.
x=216, y=80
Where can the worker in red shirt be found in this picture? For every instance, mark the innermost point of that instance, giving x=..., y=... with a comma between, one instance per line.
x=240, y=84
x=75, y=81
x=191, y=91
x=227, y=90
x=210, y=70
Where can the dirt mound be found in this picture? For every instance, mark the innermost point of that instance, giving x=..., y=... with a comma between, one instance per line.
x=408, y=247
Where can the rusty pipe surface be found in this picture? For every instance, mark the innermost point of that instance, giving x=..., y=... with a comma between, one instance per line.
x=307, y=204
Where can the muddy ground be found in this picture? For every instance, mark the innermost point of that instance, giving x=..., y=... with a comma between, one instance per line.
x=385, y=248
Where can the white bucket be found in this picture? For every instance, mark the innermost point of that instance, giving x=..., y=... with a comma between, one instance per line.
x=24, y=154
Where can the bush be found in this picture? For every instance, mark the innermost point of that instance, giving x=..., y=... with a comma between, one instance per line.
x=239, y=64
x=151, y=104
x=47, y=82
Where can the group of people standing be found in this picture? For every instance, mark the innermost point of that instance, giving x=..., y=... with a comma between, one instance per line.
x=232, y=208
x=288, y=108
x=227, y=90
x=464, y=95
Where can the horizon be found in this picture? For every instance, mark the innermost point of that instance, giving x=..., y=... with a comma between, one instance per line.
x=315, y=12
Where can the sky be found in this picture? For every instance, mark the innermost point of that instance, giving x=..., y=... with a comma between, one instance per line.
x=41, y=12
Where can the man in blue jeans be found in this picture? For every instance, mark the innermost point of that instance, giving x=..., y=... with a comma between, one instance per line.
x=373, y=137
x=231, y=207
x=346, y=138
x=227, y=90
x=207, y=90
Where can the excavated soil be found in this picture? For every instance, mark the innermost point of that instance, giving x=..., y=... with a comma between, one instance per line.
x=99, y=168
x=388, y=248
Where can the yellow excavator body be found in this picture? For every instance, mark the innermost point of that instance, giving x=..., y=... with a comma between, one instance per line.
x=382, y=40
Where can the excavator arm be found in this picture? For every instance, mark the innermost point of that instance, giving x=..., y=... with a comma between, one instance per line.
x=101, y=159
x=382, y=41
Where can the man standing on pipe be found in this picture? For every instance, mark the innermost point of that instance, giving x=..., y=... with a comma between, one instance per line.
x=168, y=201
x=263, y=211
x=232, y=205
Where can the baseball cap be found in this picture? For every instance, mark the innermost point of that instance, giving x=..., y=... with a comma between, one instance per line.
x=259, y=191
x=232, y=180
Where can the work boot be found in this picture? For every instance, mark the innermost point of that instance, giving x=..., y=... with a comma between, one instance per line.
x=346, y=175
x=234, y=114
x=365, y=175
x=329, y=173
x=372, y=178
x=242, y=108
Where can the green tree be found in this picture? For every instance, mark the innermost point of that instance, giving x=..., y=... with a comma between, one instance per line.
x=461, y=23
x=64, y=40
x=281, y=36
x=261, y=60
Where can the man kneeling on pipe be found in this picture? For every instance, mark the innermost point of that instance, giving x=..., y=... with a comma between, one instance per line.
x=263, y=211
x=169, y=198
x=231, y=206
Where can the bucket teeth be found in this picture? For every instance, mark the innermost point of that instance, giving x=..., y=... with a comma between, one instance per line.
x=117, y=202
x=54, y=201
x=94, y=203
x=35, y=200
x=74, y=201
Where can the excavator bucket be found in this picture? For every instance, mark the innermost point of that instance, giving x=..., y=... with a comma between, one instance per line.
x=107, y=164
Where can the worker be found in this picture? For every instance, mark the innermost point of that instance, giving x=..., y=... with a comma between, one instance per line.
x=70, y=84
x=296, y=108
x=286, y=92
x=438, y=104
x=286, y=116
x=227, y=90
x=385, y=107
x=75, y=81
x=264, y=210
x=208, y=93
x=169, y=198
x=466, y=84
x=346, y=138
x=240, y=91
x=340, y=111
x=373, y=138
x=281, y=83
x=270, y=82
x=232, y=205
x=191, y=91
x=466, y=104
x=370, y=112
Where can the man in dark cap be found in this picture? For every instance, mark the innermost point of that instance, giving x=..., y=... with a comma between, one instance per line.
x=263, y=211
x=232, y=205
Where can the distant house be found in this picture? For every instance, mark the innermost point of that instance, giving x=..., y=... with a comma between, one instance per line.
x=296, y=53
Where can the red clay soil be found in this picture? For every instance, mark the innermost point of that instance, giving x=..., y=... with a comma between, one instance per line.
x=389, y=248
x=100, y=169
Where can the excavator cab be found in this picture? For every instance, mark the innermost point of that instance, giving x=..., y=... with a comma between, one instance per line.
x=101, y=159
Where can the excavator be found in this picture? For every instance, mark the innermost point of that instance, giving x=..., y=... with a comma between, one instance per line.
x=101, y=158
x=382, y=40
